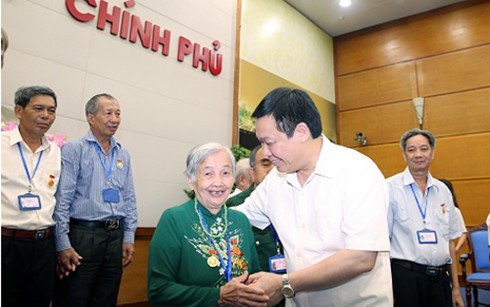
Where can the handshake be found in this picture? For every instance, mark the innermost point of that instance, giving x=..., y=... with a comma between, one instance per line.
x=259, y=289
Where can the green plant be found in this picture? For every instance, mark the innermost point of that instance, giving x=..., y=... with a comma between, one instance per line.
x=245, y=120
x=240, y=152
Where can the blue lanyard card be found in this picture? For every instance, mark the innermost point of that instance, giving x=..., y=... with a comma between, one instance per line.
x=110, y=195
x=427, y=236
x=277, y=264
x=29, y=201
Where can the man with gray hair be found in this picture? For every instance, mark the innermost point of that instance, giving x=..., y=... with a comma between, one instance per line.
x=243, y=176
x=267, y=241
x=422, y=225
x=30, y=173
x=95, y=212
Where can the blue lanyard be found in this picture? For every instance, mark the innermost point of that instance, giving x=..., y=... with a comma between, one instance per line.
x=227, y=268
x=276, y=238
x=106, y=169
x=424, y=212
x=27, y=169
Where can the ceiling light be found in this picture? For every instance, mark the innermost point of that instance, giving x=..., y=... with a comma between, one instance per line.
x=345, y=3
x=271, y=27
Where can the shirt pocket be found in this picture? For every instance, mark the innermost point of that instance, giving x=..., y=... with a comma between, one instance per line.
x=49, y=178
x=442, y=221
x=119, y=174
x=400, y=212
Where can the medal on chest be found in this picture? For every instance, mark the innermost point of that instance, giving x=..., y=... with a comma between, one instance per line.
x=218, y=230
x=213, y=261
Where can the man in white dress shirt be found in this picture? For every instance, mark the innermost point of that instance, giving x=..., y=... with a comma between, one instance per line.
x=328, y=204
x=31, y=167
x=422, y=226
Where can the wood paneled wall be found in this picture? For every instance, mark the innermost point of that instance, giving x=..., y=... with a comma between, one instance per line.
x=443, y=56
x=134, y=283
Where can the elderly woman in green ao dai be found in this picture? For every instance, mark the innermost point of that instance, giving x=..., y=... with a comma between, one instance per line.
x=201, y=252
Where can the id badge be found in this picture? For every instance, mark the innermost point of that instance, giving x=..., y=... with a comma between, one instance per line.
x=29, y=201
x=277, y=264
x=110, y=195
x=427, y=236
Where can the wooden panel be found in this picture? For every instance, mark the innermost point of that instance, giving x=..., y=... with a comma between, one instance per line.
x=462, y=113
x=134, y=283
x=473, y=195
x=378, y=86
x=381, y=124
x=452, y=28
x=474, y=200
x=388, y=158
x=463, y=157
x=139, y=304
x=451, y=52
x=452, y=72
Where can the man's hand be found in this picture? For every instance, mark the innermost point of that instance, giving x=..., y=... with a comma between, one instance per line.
x=269, y=282
x=457, y=299
x=68, y=260
x=236, y=293
x=127, y=253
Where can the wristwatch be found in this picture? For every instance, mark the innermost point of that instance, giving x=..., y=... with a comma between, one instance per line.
x=286, y=290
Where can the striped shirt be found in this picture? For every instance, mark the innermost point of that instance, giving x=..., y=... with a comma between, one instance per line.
x=83, y=178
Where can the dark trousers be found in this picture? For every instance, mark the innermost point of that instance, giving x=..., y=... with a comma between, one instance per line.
x=96, y=280
x=27, y=271
x=412, y=288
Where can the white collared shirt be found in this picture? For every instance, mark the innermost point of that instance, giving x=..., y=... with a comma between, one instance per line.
x=343, y=205
x=236, y=192
x=461, y=227
x=405, y=219
x=15, y=181
x=488, y=227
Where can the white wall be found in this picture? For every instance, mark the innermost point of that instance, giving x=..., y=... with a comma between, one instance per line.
x=168, y=107
x=279, y=39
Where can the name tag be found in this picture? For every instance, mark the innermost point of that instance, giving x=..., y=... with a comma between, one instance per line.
x=277, y=264
x=29, y=201
x=427, y=236
x=110, y=195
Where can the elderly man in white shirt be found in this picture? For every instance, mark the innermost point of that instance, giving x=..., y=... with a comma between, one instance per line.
x=422, y=226
x=31, y=167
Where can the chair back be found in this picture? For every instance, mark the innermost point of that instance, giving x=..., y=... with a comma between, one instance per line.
x=478, y=245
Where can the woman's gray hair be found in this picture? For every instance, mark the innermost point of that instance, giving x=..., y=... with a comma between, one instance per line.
x=414, y=132
x=199, y=153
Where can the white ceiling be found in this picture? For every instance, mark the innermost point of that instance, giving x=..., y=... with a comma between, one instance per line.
x=336, y=20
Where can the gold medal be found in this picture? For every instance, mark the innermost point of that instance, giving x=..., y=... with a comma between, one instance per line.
x=119, y=163
x=213, y=261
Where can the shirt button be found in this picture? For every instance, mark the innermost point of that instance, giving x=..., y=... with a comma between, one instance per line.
x=257, y=243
